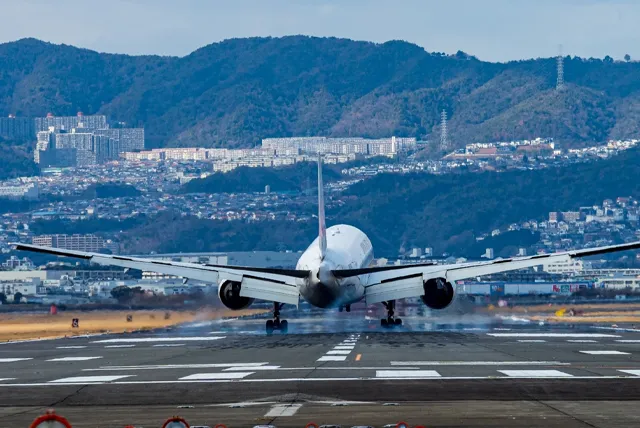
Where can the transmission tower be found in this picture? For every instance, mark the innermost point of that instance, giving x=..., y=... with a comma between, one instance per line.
x=560, y=65
x=444, y=140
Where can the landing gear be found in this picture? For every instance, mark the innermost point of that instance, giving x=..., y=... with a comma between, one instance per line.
x=276, y=323
x=348, y=308
x=390, y=320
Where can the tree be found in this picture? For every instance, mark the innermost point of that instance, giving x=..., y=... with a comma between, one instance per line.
x=3, y=298
x=627, y=57
x=608, y=60
x=17, y=297
x=124, y=294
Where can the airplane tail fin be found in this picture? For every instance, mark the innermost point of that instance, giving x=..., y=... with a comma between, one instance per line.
x=322, y=226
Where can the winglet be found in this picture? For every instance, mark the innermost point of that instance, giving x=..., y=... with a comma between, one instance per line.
x=322, y=226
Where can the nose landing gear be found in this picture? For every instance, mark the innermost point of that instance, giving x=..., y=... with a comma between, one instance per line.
x=276, y=323
x=390, y=321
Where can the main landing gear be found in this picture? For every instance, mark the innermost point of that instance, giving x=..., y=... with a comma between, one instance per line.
x=390, y=320
x=276, y=323
x=347, y=307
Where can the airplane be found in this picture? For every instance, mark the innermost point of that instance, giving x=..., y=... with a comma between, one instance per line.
x=334, y=271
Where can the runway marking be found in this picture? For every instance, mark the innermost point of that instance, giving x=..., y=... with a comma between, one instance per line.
x=358, y=357
x=177, y=366
x=245, y=368
x=343, y=347
x=70, y=347
x=168, y=345
x=478, y=363
x=338, y=352
x=332, y=358
x=502, y=329
x=631, y=372
x=534, y=373
x=604, y=352
x=628, y=341
x=13, y=360
x=582, y=341
x=161, y=339
x=575, y=335
x=88, y=379
x=532, y=341
x=74, y=359
x=120, y=346
x=406, y=373
x=209, y=376
x=280, y=410
x=7, y=378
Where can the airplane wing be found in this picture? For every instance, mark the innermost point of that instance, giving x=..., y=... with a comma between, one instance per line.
x=399, y=282
x=277, y=285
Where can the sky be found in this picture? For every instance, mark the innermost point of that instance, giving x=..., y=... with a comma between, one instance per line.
x=492, y=30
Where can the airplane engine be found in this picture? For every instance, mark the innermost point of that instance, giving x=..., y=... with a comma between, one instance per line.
x=229, y=293
x=438, y=293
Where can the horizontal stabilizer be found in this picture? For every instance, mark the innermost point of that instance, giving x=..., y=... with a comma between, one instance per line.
x=346, y=273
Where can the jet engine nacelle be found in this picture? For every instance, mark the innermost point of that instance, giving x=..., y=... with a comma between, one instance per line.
x=229, y=293
x=438, y=293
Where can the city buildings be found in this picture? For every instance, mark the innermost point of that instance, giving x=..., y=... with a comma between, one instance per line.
x=18, y=128
x=341, y=145
x=91, y=243
x=19, y=191
x=67, y=123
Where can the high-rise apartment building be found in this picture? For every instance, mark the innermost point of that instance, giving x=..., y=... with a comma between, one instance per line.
x=19, y=128
x=90, y=243
x=67, y=123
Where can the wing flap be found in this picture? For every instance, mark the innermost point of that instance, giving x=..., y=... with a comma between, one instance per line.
x=399, y=288
x=274, y=291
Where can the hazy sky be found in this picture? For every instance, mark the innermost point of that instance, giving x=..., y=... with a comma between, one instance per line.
x=495, y=30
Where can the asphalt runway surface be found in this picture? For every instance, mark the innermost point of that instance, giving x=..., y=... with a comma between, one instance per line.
x=332, y=369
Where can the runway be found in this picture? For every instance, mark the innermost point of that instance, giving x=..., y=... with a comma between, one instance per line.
x=466, y=374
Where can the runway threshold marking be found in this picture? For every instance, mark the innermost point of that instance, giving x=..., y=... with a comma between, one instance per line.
x=209, y=376
x=89, y=379
x=280, y=410
x=73, y=359
x=13, y=360
x=161, y=339
x=631, y=372
x=535, y=373
x=477, y=363
x=332, y=358
x=406, y=373
x=604, y=352
x=342, y=350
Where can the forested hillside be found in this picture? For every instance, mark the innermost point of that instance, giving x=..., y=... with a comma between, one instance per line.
x=236, y=92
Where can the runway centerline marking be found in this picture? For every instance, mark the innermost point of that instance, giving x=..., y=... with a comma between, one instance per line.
x=534, y=373
x=564, y=335
x=280, y=410
x=88, y=379
x=604, y=352
x=628, y=341
x=245, y=368
x=176, y=366
x=161, y=339
x=208, y=376
x=582, y=341
x=13, y=360
x=2, y=379
x=71, y=347
x=120, y=346
x=477, y=363
x=406, y=373
x=74, y=359
x=168, y=345
x=532, y=341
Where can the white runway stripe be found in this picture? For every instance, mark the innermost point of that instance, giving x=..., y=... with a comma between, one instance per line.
x=280, y=410
x=534, y=373
x=604, y=352
x=338, y=352
x=631, y=372
x=120, y=346
x=477, y=363
x=168, y=345
x=532, y=341
x=88, y=379
x=210, y=376
x=13, y=360
x=177, y=366
x=161, y=339
x=246, y=368
x=575, y=335
x=332, y=358
x=70, y=347
x=406, y=373
x=74, y=359
x=628, y=341
x=343, y=347
x=582, y=341
x=2, y=379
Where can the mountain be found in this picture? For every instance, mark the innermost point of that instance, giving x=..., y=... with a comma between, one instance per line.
x=235, y=92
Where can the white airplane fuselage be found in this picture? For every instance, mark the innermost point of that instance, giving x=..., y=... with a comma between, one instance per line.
x=347, y=248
